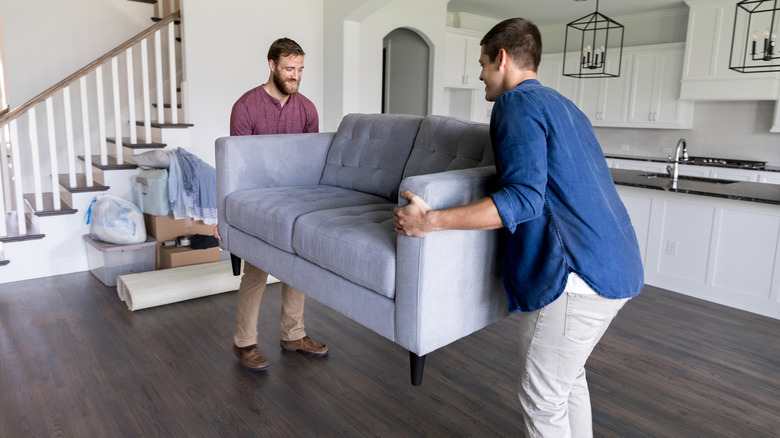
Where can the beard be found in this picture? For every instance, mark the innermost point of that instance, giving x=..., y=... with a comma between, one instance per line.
x=287, y=87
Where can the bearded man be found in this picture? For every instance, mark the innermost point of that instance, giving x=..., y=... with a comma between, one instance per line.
x=275, y=107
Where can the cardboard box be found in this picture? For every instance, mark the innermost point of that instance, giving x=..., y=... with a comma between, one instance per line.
x=107, y=261
x=164, y=228
x=173, y=256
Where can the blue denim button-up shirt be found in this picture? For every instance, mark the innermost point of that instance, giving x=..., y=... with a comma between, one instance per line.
x=558, y=202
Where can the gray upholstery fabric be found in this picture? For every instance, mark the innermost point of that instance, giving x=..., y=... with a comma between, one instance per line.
x=446, y=143
x=270, y=213
x=357, y=243
x=369, y=153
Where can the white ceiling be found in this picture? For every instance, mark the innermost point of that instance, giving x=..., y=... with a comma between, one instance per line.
x=544, y=12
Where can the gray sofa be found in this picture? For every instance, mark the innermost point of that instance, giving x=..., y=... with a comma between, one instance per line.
x=316, y=211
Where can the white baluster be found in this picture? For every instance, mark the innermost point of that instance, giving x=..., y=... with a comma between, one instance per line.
x=17, y=180
x=85, y=131
x=54, y=165
x=117, y=109
x=145, y=84
x=158, y=68
x=172, y=72
x=32, y=125
x=101, y=116
x=69, y=137
x=131, y=96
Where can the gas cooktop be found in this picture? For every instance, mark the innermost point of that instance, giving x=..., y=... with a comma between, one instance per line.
x=726, y=162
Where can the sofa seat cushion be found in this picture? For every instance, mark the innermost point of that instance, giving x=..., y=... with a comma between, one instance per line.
x=357, y=243
x=270, y=213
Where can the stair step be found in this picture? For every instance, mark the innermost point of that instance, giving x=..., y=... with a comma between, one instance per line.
x=113, y=164
x=48, y=205
x=126, y=143
x=12, y=228
x=167, y=105
x=156, y=19
x=151, y=2
x=81, y=184
x=4, y=262
x=165, y=125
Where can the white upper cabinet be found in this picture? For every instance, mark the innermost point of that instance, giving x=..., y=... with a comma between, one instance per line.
x=462, y=59
x=605, y=100
x=706, y=73
x=655, y=90
x=645, y=95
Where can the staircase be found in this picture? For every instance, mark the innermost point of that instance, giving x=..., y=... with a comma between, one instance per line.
x=78, y=139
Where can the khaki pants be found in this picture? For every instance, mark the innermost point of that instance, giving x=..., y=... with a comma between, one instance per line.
x=250, y=292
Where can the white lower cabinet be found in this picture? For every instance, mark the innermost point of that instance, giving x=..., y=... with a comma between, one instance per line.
x=720, y=250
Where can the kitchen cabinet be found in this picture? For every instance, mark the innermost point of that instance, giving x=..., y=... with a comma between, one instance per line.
x=462, y=59
x=706, y=73
x=645, y=95
x=655, y=90
x=605, y=100
x=716, y=249
x=550, y=74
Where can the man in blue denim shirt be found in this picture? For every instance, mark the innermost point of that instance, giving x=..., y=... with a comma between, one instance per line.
x=571, y=257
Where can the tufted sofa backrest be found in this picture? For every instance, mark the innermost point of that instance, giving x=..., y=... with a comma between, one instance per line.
x=447, y=143
x=369, y=152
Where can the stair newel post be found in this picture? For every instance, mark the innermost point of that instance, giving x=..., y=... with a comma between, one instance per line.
x=158, y=73
x=53, y=162
x=172, y=71
x=86, y=138
x=101, y=113
x=131, y=96
x=117, y=109
x=32, y=126
x=69, y=136
x=145, y=84
x=17, y=179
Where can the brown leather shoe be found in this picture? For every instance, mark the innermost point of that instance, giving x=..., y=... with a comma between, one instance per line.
x=305, y=345
x=251, y=358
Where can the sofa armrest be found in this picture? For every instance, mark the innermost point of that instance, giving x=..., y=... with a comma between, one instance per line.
x=257, y=161
x=449, y=283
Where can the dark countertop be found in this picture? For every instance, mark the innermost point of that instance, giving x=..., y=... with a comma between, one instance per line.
x=666, y=160
x=737, y=190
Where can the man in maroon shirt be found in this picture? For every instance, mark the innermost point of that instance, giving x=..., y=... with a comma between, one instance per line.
x=275, y=107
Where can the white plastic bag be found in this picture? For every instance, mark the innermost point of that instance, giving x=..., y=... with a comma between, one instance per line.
x=115, y=220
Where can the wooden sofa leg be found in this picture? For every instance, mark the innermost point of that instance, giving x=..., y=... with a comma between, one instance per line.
x=417, y=364
x=235, y=262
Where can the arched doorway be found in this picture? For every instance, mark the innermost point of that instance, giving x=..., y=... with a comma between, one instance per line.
x=405, y=73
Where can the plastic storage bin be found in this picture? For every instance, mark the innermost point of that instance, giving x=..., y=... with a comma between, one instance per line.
x=107, y=261
x=151, y=192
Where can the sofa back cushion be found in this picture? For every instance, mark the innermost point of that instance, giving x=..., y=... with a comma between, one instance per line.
x=369, y=152
x=447, y=143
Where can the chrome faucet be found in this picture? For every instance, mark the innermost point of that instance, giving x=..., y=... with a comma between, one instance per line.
x=680, y=151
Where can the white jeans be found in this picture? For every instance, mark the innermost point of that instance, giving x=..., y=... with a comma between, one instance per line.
x=555, y=342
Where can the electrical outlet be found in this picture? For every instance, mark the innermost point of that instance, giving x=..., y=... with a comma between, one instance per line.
x=625, y=147
x=671, y=247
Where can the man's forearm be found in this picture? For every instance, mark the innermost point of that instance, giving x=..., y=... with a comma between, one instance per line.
x=479, y=215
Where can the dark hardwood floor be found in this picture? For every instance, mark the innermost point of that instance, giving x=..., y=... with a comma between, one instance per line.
x=75, y=362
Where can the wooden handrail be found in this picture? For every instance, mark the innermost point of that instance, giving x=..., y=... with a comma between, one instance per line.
x=18, y=111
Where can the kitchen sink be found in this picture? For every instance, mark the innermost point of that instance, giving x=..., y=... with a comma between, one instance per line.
x=689, y=178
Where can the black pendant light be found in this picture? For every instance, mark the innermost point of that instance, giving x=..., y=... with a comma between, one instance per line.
x=753, y=40
x=593, y=47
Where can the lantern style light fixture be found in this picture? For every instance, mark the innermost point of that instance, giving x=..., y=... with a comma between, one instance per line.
x=754, y=37
x=593, y=47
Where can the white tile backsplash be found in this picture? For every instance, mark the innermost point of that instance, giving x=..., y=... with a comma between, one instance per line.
x=720, y=129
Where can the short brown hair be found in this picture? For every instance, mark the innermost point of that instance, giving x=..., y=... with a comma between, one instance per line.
x=284, y=47
x=521, y=40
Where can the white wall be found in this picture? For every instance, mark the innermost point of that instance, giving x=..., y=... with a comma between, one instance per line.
x=225, y=55
x=354, y=34
x=47, y=40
